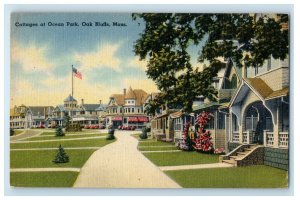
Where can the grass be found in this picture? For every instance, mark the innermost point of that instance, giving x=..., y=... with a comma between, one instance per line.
x=40, y=159
x=157, y=148
x=53, y=137
x=17, y=132
x=42, y=179
x=258, y=176
x=181, y=158
x=82, y=132
x=99, y=142
x=153, y=142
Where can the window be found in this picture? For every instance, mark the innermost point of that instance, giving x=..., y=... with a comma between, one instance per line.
x=233, y=82
x=91, y=112
x=285, y=117
x=132, y=109
x=138, y=110
x=167, y=123
x=177, y=123
x=221, y=120
x=251, y=118
x=234, y=123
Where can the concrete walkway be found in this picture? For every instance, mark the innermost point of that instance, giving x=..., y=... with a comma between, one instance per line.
x=43, y=149
x=45, y=169
x=26, y=134
x=121, y=165
x=39, y=141
x=200, y=166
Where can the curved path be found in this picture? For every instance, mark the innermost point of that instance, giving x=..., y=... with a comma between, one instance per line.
x=26, y=134
x=121, y=165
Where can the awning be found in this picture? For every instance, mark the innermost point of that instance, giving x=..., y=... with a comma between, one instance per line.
x=133, y=119
x=176, y=114
x=118, y=118
x=138, y=119
x=143, y=119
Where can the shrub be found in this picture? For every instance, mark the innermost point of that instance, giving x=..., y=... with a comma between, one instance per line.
x=12, y=132
x=144, y=135
x=73, y=127
x=59, y=132
x=186, y=143
x=203, y=141
x=61, y=156
x=111, y=134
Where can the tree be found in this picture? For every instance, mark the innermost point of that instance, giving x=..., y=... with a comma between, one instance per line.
x=59, y=131
x=67, y=120
x=61, y=156
x=243, y=38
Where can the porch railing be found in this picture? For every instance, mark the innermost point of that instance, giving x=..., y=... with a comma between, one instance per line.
x=245, y=137
x=283, y=139
x=248, y=136
x=235, y=136
x=269, y=138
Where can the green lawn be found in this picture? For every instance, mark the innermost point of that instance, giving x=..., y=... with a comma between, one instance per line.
x=43, y=179
x=152, y=142
x=53, y=137
x=17, y=132
x=157, y=148
x=40, y=159
x=99, y=142
x=258, y=176
x=181, y=158
x=82, y=132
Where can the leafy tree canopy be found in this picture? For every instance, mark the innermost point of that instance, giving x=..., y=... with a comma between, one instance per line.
x=243, y=38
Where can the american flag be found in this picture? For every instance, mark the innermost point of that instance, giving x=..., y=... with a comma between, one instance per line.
x=77, y=73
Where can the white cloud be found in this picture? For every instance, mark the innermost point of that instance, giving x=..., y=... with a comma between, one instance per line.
x=138, y=64
x=104, y=56
x=31, y=58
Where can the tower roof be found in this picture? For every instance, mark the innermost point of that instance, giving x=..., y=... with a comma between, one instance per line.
x=69, y=98
x=130, y=94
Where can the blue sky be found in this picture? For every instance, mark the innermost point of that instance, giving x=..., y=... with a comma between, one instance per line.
x=41, y=58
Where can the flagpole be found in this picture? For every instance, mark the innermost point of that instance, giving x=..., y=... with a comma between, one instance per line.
x=72, y=80
x=72, y=95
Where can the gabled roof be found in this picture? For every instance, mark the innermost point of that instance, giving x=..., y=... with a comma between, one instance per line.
x=13, y=113
x=141, y=96
x=130, y=94
x=260, y=86
x=102, y=107
x=70, y=98
x=138, y=94
x=119, y=98
x=40, y=110
x=278, y=93
x=60, y=107
x=90, y=107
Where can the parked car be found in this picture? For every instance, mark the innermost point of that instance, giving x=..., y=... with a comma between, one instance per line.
x=87, y=126
x=101, y=126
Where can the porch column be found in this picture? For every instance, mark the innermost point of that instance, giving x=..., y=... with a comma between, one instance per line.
x=241, y=134
x=276, y=127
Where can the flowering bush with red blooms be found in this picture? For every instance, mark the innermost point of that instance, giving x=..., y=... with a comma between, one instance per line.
x=186, y=142
x=203, y=140
x=219, y=151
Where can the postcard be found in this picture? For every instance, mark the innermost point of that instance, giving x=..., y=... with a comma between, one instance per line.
x=149, y=100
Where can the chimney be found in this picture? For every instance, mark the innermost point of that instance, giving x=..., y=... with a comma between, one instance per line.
x=82, y=101
x=100, y=102
x=244, y=72
x=124, y=90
